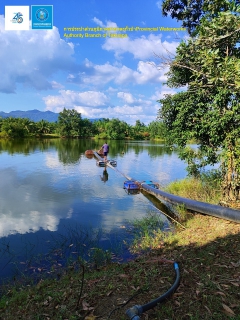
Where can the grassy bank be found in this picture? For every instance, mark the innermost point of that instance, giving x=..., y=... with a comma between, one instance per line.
x=206, y=248
x=205, y=189
x=207, y=251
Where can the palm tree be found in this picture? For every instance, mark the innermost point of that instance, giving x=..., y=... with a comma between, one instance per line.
x=43, y=127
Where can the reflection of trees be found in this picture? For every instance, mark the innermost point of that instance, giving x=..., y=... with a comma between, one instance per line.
x=24, y=146
x=69, y=151
x=90, y=144
x=153, y=150
x=118, y=147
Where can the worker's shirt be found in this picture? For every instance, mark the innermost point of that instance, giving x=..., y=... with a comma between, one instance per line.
x=105, y=147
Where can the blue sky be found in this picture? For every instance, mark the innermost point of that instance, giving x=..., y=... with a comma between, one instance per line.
x=108, y=77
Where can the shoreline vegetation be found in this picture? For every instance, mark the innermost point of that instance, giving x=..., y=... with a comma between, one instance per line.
x=70, y=124
x=206, y=248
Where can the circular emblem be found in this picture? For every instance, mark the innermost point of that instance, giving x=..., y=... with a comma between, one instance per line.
x=42, y=14
x=20, y=20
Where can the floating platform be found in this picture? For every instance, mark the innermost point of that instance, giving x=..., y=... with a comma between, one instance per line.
x=112, y=162
x=131, y=185
x=102, y=163
x=150, y=183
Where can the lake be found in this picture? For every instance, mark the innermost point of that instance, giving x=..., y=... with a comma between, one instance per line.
x=52, y=195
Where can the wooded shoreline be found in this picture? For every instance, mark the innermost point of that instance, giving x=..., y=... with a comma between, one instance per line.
x=70, y=124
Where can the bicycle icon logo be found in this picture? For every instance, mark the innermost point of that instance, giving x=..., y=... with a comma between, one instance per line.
x=18, y=17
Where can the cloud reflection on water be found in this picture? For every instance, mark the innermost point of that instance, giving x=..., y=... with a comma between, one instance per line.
x=38, y=190
x=22, y=205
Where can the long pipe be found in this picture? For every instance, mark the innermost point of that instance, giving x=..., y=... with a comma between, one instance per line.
x=198, y=206
x=135, y=312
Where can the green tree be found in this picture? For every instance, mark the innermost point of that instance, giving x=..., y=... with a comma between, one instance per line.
x=13, y=128
x=99, y=128
x=1, y=122
x=69, y=123
x=53, y=127
x=129, y=130
x=157, y=129
x=191, y=12
x=209, y=111
x=43, y=127
x=139, y=130
x=116, y=129
x=29, y=125
x=87, y=128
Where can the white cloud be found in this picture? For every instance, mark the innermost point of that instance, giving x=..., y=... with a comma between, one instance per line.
x=30, y=57
x=109, y=23
x=124, y=112
x=159, y=4
x=95, y=104
x=69, y=98
x=160, y=93
x=56, y=85
x=149, y=72
x=111, y=90
x=127, y=110
x=98, y=22
x=141, y=48
x=127, y=97
x=100, y=75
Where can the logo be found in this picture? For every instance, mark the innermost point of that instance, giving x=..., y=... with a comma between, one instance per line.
x=42, y=16
x=18, y=17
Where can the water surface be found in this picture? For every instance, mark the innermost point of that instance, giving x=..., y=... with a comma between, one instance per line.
x=49, y=187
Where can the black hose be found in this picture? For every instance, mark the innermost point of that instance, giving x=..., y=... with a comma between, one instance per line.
x=153, y=303
x=197, y=206
x=135, y=312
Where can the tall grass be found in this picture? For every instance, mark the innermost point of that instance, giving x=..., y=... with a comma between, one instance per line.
x=205, y=189
x=148, y=233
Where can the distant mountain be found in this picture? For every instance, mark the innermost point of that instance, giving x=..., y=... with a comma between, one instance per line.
x=34, y=115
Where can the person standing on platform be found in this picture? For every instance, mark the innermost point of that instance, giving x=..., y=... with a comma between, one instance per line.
x=105, y=149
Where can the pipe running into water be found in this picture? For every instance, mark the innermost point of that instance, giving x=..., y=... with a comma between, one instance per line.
x=197, y=206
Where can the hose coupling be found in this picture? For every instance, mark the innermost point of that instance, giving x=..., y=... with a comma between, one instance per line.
x=134, y=312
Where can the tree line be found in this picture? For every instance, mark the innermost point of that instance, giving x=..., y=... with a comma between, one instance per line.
x=207, y=64
x=70, y=124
